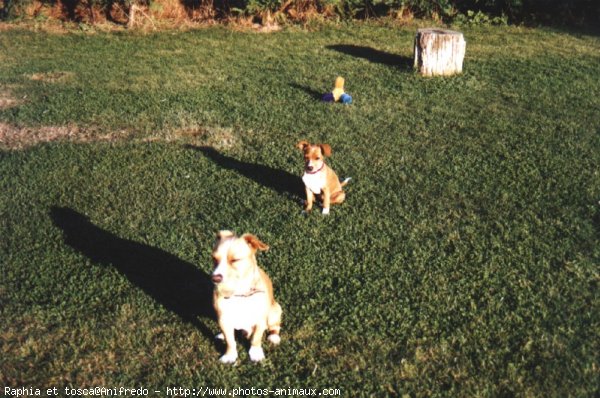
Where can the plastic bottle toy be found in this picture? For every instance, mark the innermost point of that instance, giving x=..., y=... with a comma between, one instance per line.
x=338, y=94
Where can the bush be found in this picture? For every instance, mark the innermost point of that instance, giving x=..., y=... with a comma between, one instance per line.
x=12, y=8
x=566, y=12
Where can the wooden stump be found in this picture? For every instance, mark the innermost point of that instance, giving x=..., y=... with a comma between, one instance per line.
x=439, y=52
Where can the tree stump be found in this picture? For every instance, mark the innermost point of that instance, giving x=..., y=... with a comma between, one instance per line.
x=439, y=52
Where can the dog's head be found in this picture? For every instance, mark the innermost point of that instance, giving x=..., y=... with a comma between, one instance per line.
x=314, y=155
x=234, y=259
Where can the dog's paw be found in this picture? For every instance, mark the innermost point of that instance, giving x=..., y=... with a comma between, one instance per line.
x=220, y=336
x=274, y=338
x=228, y=358
x=325, y=211
x=256, y=354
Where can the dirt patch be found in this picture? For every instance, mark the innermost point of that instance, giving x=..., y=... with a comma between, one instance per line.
x=215, y=137
x=13, y=137
x=16, y=138
x=51, y=77
x=268, y=28
x=7, y=100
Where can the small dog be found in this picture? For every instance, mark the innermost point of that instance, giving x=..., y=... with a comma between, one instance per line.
x=320, y=179
x=243, y=295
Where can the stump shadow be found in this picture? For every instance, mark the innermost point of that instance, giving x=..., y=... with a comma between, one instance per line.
x=279, y=181
x=177, y=285
x=376, y=56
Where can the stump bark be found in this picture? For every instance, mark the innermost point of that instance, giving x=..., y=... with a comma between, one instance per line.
x=439, y=52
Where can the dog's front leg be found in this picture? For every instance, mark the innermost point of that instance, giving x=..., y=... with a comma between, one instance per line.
x=326, y=200
x=256, y=352
x=231, y=354
x=310, y=198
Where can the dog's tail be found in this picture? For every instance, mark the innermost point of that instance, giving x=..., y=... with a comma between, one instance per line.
x=346, y=181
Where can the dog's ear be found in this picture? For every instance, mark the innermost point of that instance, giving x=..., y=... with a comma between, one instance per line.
x=302, y=144
x=224, y=234
x=326, y=149
x=254, y=242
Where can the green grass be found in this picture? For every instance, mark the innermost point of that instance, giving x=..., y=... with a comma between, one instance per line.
x=464, y=262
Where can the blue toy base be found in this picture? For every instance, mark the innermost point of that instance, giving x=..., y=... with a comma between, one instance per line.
x=344, y=98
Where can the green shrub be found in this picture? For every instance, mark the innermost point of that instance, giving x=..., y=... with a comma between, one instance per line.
x=567, y=12
x=13, y=8
x=564, y=12
x=480, y=18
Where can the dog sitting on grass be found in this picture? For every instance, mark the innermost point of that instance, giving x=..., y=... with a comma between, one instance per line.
x=243, y=295
x=319, y=179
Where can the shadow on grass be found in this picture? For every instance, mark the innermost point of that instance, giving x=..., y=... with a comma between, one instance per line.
x=596, y=222
x=175, y=284
x=278, y=180
x=312, y=93
x=375, y=56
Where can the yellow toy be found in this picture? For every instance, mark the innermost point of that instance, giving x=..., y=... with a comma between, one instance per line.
x=338, y=90
x=338, y=94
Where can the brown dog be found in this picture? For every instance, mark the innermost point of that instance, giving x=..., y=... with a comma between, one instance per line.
x=243, y=295
x=320, y=179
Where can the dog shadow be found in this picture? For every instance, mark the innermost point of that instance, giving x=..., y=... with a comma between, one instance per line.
x=177, y=285
x=376, y=56
x=279, y=181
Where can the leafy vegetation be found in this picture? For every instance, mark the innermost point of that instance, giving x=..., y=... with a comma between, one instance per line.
x=464, y=262
x=583, y=13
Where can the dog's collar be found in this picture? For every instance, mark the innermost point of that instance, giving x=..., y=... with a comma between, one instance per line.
x=315, y=172
x=249, y=293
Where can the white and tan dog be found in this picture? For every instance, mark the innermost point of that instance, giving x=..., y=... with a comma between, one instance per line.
x=319, y=179
x=243, y=295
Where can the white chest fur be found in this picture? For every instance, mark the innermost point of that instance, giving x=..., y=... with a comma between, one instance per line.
x=315, y=182
x=243, y=313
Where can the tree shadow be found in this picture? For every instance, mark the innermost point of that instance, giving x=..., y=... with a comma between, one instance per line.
x=313, y=93
x=375, y=56
x=177, y=285
x=280, y=181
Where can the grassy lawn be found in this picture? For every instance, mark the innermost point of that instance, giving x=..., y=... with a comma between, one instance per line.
x=465, y=261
